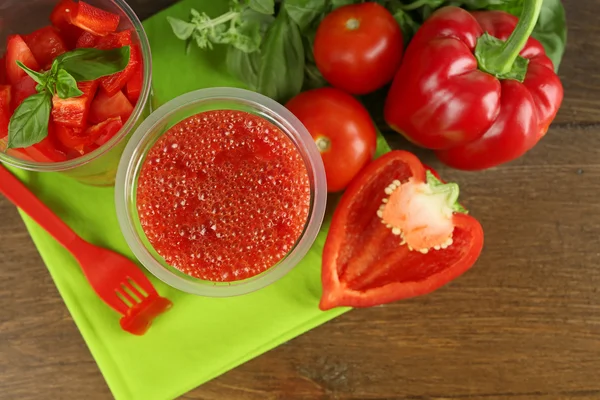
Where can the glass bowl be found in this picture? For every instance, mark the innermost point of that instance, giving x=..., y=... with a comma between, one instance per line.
x=177, y=110
x=98, y=167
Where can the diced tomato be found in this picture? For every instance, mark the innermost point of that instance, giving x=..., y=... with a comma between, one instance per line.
x=46, y=45
x=115, y=40
x=107, y=129
x=95, y=20
x=5, y=110
x=3, y=77
x=105, y=107
x=115, y=82
x=17, y=50
x=86, y=39
x=61, y=19
x=134, y=85
x=73, y=112
x=22, y=90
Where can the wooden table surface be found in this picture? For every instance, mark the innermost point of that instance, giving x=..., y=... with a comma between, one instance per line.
x=524, y=324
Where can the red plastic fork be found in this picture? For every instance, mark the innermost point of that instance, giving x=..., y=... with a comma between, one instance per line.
x=116, y=279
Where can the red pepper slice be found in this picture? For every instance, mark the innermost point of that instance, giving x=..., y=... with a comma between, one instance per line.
x=396, y=233
x=115, y=82
x=5, y=109
x=46, y=151
x=104, y=107
x=95, y=20
x=73, y=112
x=17, y=50
x=46, y=45
x=82, y=141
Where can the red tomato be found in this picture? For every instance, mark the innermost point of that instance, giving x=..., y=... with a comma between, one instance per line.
x=358, y=48
x=342, y=130
x=17, y=50
x=5, y=110
x=46, y=45
x=73, y=112
x=22, y=90
x=104, y=107
x=94, y=20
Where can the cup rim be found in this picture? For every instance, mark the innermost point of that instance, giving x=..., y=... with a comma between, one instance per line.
x=127, y=127
x=131, y=162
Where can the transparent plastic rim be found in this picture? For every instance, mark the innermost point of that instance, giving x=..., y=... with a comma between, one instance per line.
x=132, y=159
x=133, y=119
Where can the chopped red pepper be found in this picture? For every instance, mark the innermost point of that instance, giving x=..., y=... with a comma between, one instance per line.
x=115, y=82
x=45, y=151
x=46, y=45
x=473, y=91
x=5, y=109
x=106, y=130
x=134, y=85
x=94, y=20
x=73, y=112
x=87, y=40
x=17, y=50
x=398, y=232
x=104, y=107
x=84, y=140
x=115, y=40
x=61, y=19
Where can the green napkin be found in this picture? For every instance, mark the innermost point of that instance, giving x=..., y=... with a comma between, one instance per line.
x=200, y=338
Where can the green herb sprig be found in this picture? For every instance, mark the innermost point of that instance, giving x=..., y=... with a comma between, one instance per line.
x=29, y=123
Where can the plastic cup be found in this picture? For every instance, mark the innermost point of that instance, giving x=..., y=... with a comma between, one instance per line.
x=98, y=167
x=170, y=114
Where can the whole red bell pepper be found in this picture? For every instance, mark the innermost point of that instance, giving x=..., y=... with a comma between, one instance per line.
x=475, y=87
x=397, y=232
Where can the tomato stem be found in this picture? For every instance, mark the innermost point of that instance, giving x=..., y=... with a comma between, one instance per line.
x=352, y=24
x=323, y=144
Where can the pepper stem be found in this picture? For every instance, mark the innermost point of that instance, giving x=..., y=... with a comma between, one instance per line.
x=501, y=58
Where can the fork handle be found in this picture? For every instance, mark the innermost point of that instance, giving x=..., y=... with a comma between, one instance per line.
x=22, y=197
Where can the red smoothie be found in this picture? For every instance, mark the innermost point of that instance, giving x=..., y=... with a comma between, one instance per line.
x=223, y=195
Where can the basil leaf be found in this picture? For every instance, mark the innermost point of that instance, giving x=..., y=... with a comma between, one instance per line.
x=39, y=77
x=244, y=66
x=312, y=77
x=29, y=123
x=551, y=30
x=407, y=24
x=303, y=12
x=263, y=6
x=247, y=37
x=281, y=72
x=340, y=3
x=91, y=64
x=66, y=85
x=182, y=29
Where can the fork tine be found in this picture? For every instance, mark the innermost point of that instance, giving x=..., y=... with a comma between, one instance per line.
x=127, y=296
x=131, y=285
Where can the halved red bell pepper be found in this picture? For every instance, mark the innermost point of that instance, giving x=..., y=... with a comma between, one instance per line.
x=134, y=85
x=94, y=20
x=5, y=109
x=73, y=112
x=398, y=232
x=45, y=45
x=87, y=40
x=24, y=88
x=104, y=107
x=61, y=19
x=17, y=50
x=475, y=87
